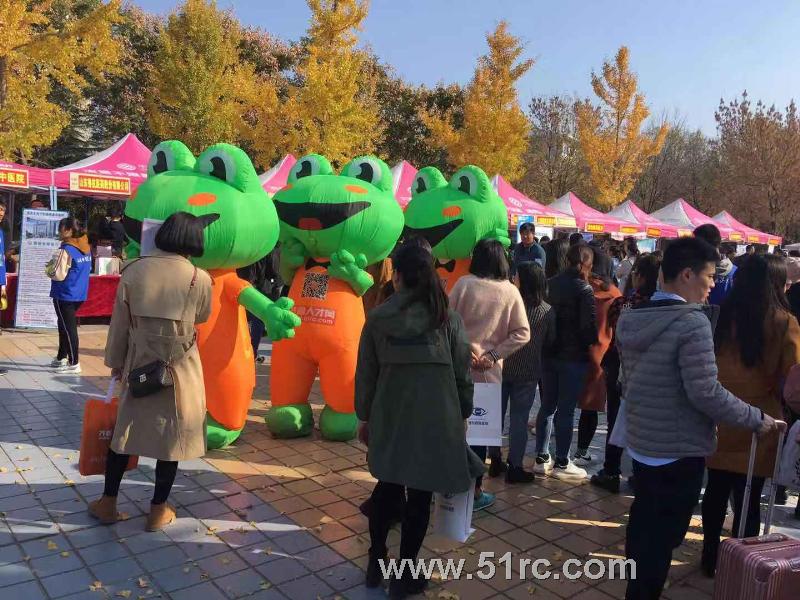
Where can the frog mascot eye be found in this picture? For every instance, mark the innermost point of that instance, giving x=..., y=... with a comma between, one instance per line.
x=308, y=166
x=333, y=227
x=170, y=156
x=427, y=179
x=241, y=227
x=453, y=216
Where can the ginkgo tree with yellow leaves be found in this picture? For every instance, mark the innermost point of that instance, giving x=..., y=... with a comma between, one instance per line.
x=201, y=90
x=610, y=133
x=334, y=108
x=494, y=134
x=37, y=52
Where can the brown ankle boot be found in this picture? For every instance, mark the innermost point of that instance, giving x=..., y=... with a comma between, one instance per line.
x=104, y=509
x=160, y=516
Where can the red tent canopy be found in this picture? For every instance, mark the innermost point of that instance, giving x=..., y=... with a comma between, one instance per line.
x=276, y=177
x=751, y=236
x=22, y=177
x=628, y=211
x=116, y=171
x=591, y=220
x=403, y=174
x=519, y=205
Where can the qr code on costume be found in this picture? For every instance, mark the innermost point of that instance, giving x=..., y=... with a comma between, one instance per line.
x=315, y=285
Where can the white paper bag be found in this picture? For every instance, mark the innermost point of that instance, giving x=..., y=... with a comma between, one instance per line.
x=619, y=435
x=150, y=228
x=485, y=422
x=789, y=470
x=452, y=515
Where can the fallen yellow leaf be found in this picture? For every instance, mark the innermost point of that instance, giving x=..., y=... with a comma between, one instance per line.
x=64, y=554
x=123, y=594
x=143, y=583
x=69, y=482
x=3, y=469
x=51, y=545
x=265, y=585
x=96, y=586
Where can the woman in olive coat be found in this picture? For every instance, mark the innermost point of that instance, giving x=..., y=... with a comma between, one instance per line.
x=413, y=396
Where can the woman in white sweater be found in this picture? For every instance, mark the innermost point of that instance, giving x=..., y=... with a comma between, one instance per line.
x=496, y=324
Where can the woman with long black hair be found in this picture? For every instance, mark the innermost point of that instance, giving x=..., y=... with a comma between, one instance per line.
x=413, y=396
x=757, y=341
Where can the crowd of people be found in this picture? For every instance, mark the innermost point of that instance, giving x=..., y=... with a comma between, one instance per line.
x=684, y=349
x=685, y=376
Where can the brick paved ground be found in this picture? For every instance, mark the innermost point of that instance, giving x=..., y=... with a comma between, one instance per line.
x=264, y=519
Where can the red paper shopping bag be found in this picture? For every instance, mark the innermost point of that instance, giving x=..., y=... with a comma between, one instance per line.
x=99, y=418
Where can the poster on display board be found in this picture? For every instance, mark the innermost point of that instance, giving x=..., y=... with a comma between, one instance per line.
x=646, y=245
x=39, y=241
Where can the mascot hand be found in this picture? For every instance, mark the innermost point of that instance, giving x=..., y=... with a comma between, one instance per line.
x=350, y=268
x=279, y=319
x=293, y=256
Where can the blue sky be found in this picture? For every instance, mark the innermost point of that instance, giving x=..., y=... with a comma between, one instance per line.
x=688, y=53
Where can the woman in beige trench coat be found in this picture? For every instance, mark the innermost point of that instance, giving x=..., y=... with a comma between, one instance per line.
x=159, y=300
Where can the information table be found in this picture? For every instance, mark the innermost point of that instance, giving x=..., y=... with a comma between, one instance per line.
x=99, y=302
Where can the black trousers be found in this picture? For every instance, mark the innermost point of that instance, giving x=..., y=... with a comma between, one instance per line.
x=587, y=426
x=664, y=500
x=482, y=452
x=385, y=499
x=613, y=462
x=67, y=329
x=715, y=504
x=166, y=470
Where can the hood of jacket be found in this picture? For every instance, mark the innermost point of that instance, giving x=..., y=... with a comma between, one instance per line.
x=81, y=243
x=638, y=328
x=401, y=317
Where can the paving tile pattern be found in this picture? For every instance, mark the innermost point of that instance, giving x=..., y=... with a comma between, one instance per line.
x=265, y=518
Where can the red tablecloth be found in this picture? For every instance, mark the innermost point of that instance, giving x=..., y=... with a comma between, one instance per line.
x=99, y=302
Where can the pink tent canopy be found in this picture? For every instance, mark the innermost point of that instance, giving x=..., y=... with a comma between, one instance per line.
x=403, y=176
x=591, y=220
x=276, y=177
x=628, y=211
x=751, y=236
x=116, y=171
x=519, y=205
x=23, y=177
x=683, y=215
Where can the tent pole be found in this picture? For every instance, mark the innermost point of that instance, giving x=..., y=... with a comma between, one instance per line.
x=53, y=198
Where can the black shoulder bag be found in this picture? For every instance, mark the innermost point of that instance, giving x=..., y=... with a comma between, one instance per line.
x=155, y=376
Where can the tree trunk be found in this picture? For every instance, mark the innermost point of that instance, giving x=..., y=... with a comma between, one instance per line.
x=3, y=80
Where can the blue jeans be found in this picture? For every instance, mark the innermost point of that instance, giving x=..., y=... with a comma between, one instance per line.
x=562, y=382
x=520, y=395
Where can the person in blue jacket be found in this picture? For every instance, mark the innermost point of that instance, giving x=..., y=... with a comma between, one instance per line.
x=69, y=271
x=726, y=270
x=2, y=260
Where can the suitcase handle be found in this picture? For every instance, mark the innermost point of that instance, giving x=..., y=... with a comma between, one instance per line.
x=765, y=539
x=781, y=426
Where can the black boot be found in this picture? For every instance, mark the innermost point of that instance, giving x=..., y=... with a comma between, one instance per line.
x=708, y=562
x=606, y=482
x=519, y=475
x=497, y=466
x=374, y=573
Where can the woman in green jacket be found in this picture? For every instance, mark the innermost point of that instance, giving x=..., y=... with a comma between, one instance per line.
x=413, y=396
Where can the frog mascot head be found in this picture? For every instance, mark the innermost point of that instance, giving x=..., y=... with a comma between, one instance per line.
x=241, y=227
x=454, y=216
x=332, y=227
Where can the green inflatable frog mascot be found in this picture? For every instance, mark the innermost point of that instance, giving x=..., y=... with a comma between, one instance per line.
x=454, y=216
x=222, y=187
x=332, y=228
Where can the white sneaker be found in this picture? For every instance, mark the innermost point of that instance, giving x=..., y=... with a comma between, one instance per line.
x=69, y=369
x=543, y=467
x=582, y=459
x=56, y=363
x=570, y=472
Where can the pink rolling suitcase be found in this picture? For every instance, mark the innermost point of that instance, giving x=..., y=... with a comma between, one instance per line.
x=766, y=567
